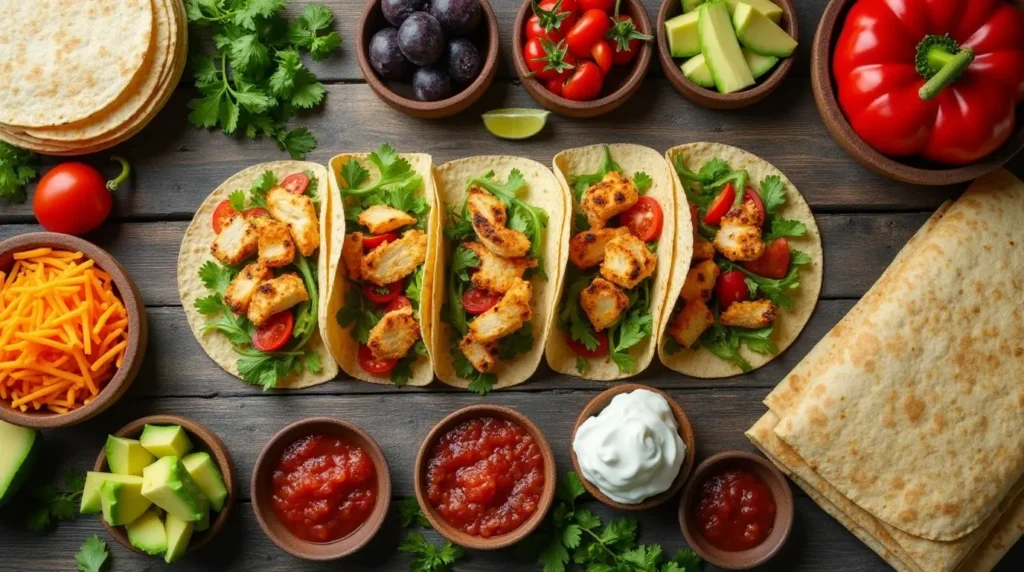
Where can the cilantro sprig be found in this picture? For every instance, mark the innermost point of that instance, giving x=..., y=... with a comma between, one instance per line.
x=580, y=183
x=399, y=186
x=92, y=555
x=48, y=505
x=427, y=557
x=17, y=169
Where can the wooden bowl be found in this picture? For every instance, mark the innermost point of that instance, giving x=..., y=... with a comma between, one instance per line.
x=202, y=440
x=486, y=35
x=710, y=97
x=771, y=477
x=914, y=170
x=621, y=86
x=260, y=491
x=454, y=534
x=138, y=329
x=596, y=405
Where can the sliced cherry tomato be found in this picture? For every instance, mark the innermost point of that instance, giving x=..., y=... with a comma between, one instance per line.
x=275, y=333
x=605, y=6
x=371, y=364
x=255, y=212
x=774, y=263
x=693, y=216
x=397, y=304
x=221, y=214
x=551, y=20
x=750, y=194
x=548, y=60
x=731, y=287
x=721, y=205
x=587, y=31
x=581, y=350
x=296, y=183
x=375, y=240
x=382, y=295
x=585, y=82
x=477, y=301
x=602, y=54
x=554, y=85
x=644, y=219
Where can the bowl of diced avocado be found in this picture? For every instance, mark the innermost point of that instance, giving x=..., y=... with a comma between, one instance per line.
x=163, y=485
x=726, y=54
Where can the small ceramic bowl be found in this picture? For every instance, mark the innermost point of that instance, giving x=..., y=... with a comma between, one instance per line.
x=596, y=405
x=776, y=483
x=913, y=170
x=623, y=81
x=260, y=490
x=202, y=440
x=420, y=479
x=138, y=331
x=711, y=97
x=399, y=94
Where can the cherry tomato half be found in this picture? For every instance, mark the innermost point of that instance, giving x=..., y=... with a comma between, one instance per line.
x=382, y=295
x=581, y=350
x=774, y=263
x=751, y=195
x=731, y=287
x=255, y=212
x=721, y=205
x=275, y=333
x=375, y=240
x=535, y=26
x=602, y=54
x=605, y=6
x=221, y=214
x=371, y=364
x=644, y=219
x=71, y=198
x=296, y=183
x=397, y=304
x=477, y=301
x=585, y=82
x=587, y=31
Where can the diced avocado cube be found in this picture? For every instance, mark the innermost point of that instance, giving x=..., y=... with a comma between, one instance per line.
x=697, y=71
x=127, y=456
x=691, y=5
x=19, y=448
x=681, y=32
x=759, y=34
x=766, y=7
x=204, y=472
x=91, y=493
x=178, y=532
x=168, y=485
x=147, y=533
x=758, y=64
x=122, y=502
x=166, y=440
x=721, y=51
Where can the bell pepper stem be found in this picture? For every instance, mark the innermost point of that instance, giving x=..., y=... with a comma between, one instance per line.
x=951, y=66
x=126, y=171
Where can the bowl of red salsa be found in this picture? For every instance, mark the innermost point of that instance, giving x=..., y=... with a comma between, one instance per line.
x=737, y=510
x=321, y=488
x=485, y=477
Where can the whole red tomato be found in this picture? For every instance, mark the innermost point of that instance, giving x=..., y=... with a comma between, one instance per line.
x=588, y=30
x=605, y=6
x=585, y=82
x=73, y=198
x=626, y=40
x=546, y=59
x=551, y=20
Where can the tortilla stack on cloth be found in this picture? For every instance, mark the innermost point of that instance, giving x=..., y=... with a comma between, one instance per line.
x=906, y=422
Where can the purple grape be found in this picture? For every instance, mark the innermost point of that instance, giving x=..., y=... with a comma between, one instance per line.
x=457, y=17
x=396, y=11
x=386, y=57
x=430, y=83
x=421, y=39
x=463, y=61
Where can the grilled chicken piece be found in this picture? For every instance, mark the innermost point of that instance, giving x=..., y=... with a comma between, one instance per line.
x=395, y=260
x=237, y=241
x=690, y=322
x=613, y=195
x=703, y=250
x=586, y=249
x=627, y=260
x=495, y=273
x=276, y=295
x=505, y=317
x=381, y=218
x=739, y=236
x=700, y=281
x=243, y=286
x=276, y=245
x=488, y=216
x=749, y=314
x=298, y=213
x=352, y=254
x=603, y=303
x=394, y=334
x=482, y=356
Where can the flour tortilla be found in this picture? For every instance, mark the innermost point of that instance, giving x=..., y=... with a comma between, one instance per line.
x=195, y=251
x=791, y=321
x=542, y=190
x=340, y=341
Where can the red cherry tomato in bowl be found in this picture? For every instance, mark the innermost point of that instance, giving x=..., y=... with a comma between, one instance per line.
x=221, y=214
x=477, y=301
x=602, y=54
x=375, y=240
x=605, y=6
x=623, y=57
x=382, y=295
x=581, y=350
x=644, y=219
x=73, y=198
x=275, y=333
x=721, y=205
x=774, y=263
x=371, y=364
x=731, y=287
x=545, y=24
x=585, y=82
x=554, y=85
x=296, y=183
x=397, y=304
x=587, y=31
x=547, y=60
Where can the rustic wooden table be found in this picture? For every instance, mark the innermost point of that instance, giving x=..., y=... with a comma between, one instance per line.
x=864, y=220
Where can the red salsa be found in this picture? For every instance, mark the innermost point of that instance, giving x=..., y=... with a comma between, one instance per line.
x=735, y=510
x=485, y=476
x=324, y=487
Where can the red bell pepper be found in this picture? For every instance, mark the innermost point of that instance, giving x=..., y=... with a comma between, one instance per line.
x=936, y=78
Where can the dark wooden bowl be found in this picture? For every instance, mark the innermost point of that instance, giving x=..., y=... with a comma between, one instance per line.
x=914, y=170
x=202, y=440
x=596, y=405
x=710, y=97
x=622, y=85
x=437, y=521
x=772, y=478
x=399, y=95
x=138, y=332
x=260, y=491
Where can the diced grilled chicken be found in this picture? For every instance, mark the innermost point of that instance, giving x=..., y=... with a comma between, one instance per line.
x=703, y=250
x=395, y=260
x=505, y=317
x=298, y=213
x=381, y=218
x=488, y=216
x=243, y=286
x=237, y=241
x=276, y=295
x=352, y=254
x=276, y=245
x=700, y=281
x=739, y=236
x=260, y=221
x=690, y=323
x=482, y=356
x=749, y=314
x=603, y=303
x=394, y=334
x=497, y=274
x=613, y=195
x=627, y=260
x=586, y=249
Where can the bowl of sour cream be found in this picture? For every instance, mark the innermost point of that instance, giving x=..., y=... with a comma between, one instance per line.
x=633, y=447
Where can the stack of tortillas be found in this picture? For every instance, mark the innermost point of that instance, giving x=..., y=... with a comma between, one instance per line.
x=80, y=76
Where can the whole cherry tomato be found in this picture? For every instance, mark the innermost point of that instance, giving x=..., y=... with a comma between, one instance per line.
x=371, y=364
x=626, y=40
x=585, y=82
x=375, y=240
x=551, y=20
x=477, y=301
x=721, y=205
x=397, y=304
x=73, y=198
x=605, y=6
x=296, y=183
x=546, y=59
x=731, y=287
x=774, y=263
x=581, y=350
x=273, y=335
x=587, y=31
x=382, y=295
x=554, y=85
x=602, y=54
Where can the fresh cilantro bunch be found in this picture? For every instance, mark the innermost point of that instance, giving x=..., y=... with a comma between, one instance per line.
x=523, y=217
x=17, y=169
x=49, y=505
x=398, y=186
x=255, y=81
x=92, y=555
x=426, y=556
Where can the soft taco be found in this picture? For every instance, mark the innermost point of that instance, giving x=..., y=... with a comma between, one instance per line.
x=252, y=275
x=498, y=268
x=620, y=260
x=378, y=319
x=755, y=273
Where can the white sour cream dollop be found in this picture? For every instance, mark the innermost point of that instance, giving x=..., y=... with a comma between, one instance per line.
x=631, y=451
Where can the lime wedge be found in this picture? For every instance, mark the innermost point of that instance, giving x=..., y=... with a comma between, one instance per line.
x=515, y=123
